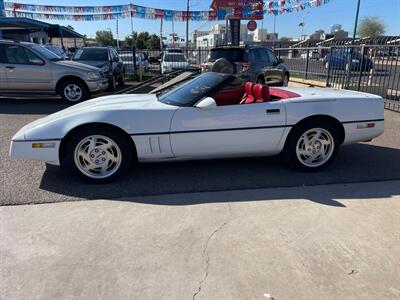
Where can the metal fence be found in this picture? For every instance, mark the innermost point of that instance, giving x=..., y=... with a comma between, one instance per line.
x=150, y=63
x=368, y=68
x=372, y=68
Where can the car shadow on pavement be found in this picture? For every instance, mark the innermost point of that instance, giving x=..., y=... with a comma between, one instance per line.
x=355, y=163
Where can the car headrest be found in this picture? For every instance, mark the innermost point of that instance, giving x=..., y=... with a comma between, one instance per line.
x=249, y=88
x=261, y=92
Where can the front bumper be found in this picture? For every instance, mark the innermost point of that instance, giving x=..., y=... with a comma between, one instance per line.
x=25, y=150
x=97, y=86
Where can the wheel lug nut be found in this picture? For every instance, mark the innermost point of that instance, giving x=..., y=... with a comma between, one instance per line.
x=103, y=159
x=96, y=150
x=103, y=153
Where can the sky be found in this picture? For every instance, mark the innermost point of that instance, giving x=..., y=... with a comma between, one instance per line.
x=335, y=12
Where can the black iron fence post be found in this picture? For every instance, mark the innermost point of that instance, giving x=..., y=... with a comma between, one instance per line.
x=362, y=52
x=328, y=75
x=134, y=61
x=307, y=60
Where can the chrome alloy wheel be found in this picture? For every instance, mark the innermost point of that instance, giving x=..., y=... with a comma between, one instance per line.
x=97, y=156
x=315, y=147
x=73, y=92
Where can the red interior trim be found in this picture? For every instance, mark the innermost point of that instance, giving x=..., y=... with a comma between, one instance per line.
x=282, y=94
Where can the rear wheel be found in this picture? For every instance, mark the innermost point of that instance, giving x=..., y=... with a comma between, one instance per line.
x=72, y=91
x=97, y=154
x=312, y=146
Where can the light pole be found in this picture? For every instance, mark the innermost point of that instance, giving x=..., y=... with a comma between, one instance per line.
x=187, y=24
x=356, y=21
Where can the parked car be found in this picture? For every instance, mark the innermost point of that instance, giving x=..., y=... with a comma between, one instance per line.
x=105, y=58
x=99, y=139
x=127, y=59
x=30, y=69
x=343, y=59
x=58, y=50
x=250, y=63
x=173, y=61
x=311, y=55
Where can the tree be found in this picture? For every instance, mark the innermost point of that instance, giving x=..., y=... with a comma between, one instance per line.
x=130, y=40
x=153, y=42
x=104, y=38
x=371, y=27
x=285, y=39
x=141, y=41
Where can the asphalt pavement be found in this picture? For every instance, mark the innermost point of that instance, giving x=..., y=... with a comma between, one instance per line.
x=27, y=182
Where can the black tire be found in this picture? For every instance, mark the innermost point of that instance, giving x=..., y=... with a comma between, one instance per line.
x=112, y=83
x=69, y=165
x=285, y=80
x=121, y=81
x=290, y=151
x=260, y=79
x=80, y=88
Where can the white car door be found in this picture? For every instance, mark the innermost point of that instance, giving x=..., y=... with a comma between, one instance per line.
x=230, y=130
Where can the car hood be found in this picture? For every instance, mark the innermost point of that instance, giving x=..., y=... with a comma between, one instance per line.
x=74, y=64
x=138, y=113
x=94, y=63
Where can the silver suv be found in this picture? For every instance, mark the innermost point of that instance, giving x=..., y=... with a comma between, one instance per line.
x=27, y=69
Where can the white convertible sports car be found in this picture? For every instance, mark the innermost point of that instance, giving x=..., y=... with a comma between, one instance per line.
x=210, y=116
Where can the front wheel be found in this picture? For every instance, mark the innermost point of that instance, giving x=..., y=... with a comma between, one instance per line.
x=97, y=154
x=285, y=80
x=73, y=91
x=312, y=146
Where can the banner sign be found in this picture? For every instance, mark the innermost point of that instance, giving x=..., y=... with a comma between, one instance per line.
x=239, y=9
x=231, y=9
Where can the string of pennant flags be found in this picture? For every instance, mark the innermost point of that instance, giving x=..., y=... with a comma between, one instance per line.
x=98, y=13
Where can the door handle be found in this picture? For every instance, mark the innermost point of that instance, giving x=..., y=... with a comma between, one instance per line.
x=10, y=67
x=273, y=111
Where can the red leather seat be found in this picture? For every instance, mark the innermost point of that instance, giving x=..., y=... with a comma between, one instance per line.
x=261, y=93
x=248, y=97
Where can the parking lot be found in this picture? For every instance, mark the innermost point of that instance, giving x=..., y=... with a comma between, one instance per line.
x=223, y=229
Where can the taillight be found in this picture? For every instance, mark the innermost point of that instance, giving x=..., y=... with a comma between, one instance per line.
x=246, y=66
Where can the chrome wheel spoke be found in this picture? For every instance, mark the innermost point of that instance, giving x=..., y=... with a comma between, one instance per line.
x=315, y=147
x=97, y=156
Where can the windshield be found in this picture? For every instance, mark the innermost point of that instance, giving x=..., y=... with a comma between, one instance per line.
x=55, y=49
x=93, y=54
x=46, y=53
x=192, y=91
x=174, y=58
x=233, y=55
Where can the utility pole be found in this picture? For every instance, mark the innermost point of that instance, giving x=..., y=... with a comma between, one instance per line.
x=187, y=24
x=131, y=20
x=117, y=34
x=161, y=41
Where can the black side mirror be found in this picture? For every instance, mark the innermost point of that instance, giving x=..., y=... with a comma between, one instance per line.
x=281, y=61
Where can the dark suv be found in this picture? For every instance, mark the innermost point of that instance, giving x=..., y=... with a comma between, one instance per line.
x=250, y=63
x=105, y=58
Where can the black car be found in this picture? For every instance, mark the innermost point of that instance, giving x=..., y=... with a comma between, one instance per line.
x=105, y=58
x=250, y=63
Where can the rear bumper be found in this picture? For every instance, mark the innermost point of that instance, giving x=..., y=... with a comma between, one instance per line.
x=24, y=150
x=359, y=132
x=97, y=86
